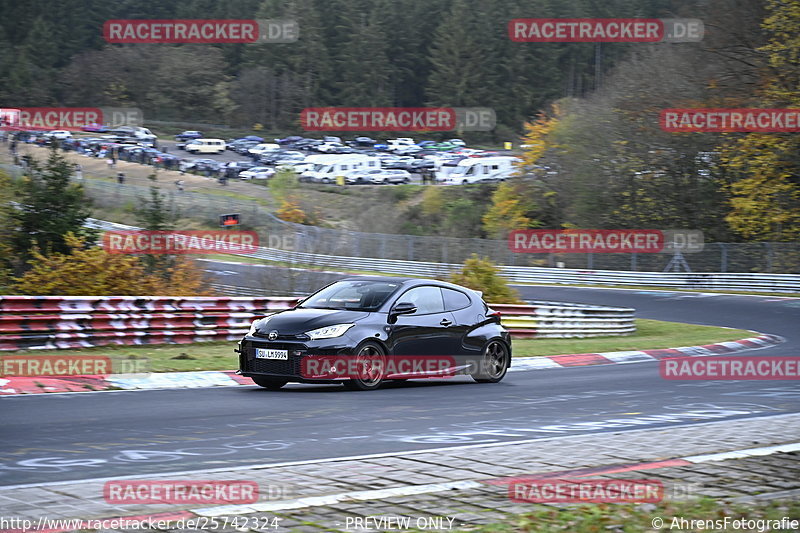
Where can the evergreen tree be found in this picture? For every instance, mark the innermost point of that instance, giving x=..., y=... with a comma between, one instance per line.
x=49, y=207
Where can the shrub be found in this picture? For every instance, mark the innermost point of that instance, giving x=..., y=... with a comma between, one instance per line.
x=480, y=274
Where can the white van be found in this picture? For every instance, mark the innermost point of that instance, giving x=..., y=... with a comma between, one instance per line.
x=205, y=146
x=477, y=169
x=144, y=134
x=327, y=167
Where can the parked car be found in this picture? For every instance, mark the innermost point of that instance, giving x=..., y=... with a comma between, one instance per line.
x=444, y=146
x=95, y=127
x=390, y=176
x=403, y=163
x=188, y=135
x=407, y=150
x=374, y=322
x=360, y=177
x=304, y=144
x=418, y=165
x=400, y=142
x=257, y=173
x=243, y=148
x=362, y=141
x=58, y=134
x=233, y=168
x=330, y=147
x=273, y=158
x=202, y=165
x=290, y=139
x=263, y=148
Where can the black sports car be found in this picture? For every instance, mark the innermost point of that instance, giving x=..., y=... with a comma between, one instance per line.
x=364, y=331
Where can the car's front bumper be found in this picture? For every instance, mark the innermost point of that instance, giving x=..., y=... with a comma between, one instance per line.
x=292, y=367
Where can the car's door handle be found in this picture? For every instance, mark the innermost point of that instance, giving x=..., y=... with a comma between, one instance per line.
x=445, y=322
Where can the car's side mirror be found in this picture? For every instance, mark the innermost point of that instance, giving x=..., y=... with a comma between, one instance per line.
x=403, y=308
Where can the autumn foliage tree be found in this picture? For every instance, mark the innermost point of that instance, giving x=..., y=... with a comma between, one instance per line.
x=765, y=202
x=480, y=274
x=91, y=271
x=507, y=212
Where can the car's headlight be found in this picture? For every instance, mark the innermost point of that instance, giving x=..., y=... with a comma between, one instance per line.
x=329, y=332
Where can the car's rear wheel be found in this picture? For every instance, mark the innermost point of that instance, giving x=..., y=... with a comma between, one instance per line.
x=494, y=363
x=371, y=365
x=269, y=383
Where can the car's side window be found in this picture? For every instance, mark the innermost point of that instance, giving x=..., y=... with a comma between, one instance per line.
x=455, y=300
x=428, y=299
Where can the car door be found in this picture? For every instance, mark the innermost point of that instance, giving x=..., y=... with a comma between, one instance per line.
x=427, y=331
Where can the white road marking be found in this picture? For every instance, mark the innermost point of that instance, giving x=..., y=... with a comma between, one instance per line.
x=367, y=456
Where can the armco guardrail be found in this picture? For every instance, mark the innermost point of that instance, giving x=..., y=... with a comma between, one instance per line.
x=58, y=322
x=783, y=283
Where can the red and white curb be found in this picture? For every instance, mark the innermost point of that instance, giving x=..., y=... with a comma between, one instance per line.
x=184, y=380
x=610, y=358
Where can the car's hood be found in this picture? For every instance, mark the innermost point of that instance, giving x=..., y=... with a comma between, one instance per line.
x=296, y=321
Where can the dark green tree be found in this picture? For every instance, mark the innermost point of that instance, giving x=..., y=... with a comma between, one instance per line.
x=156, y=214
x=49, y=206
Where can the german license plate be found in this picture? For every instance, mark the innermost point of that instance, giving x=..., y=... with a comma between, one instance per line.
x=265, y=353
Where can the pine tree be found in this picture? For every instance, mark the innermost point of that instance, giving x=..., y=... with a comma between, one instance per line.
x=49, y=208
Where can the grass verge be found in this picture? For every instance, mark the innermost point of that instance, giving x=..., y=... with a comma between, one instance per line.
x=631, y=518
x=651, y=334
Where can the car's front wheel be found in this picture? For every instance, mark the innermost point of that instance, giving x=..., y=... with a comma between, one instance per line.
x=269, y=383
x=494, y=363
x=371, y=366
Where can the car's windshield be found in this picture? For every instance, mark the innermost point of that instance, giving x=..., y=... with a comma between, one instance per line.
x=362, y=295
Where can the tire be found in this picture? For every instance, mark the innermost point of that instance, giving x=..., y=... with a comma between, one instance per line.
x=406, y=180
x=465, y=182
x=325, y=180
x=373, y=350
x=494, y=363
x=269, y=383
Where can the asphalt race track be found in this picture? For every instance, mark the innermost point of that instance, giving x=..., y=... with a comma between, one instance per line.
x=59, y=437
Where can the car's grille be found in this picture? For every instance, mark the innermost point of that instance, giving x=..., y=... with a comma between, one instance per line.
x=287, y=367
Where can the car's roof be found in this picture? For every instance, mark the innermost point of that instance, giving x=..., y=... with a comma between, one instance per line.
x=409, y=282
